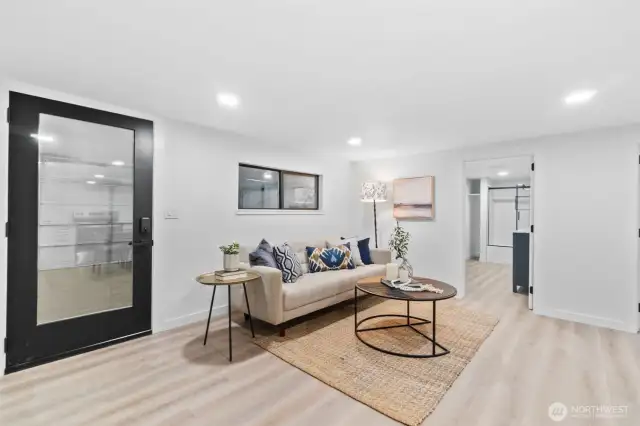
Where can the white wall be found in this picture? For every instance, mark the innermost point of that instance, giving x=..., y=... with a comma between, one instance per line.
x=432, y=242
x=201, y=179
x=195, y=177
x=585, y=248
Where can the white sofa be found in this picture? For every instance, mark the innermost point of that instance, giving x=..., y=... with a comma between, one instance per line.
x=276, y=302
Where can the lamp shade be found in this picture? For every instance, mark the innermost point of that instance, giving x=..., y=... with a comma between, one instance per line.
x=373, y=191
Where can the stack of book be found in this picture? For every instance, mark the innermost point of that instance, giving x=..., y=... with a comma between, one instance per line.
x=230, y=275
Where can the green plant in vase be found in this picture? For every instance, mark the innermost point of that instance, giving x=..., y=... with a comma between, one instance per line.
x=231, y=258
x=399, y=244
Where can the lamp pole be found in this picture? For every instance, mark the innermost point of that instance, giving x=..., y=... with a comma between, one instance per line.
x=375, y=221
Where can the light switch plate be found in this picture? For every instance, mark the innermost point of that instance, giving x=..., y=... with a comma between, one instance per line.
x=170, y=214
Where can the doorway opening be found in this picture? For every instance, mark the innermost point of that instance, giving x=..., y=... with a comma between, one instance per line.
x=498, y=227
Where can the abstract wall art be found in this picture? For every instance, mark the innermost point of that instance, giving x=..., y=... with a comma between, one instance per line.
x=414, y=198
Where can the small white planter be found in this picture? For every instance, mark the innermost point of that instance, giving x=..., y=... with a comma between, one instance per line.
x=231, y=262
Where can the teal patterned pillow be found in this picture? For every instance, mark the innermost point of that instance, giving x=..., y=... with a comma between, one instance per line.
x=323, y=259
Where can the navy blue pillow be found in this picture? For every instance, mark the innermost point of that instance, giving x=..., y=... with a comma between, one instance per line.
x=365, y=253
x=263, y=255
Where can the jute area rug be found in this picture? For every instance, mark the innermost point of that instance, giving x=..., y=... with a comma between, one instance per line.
x=405, y=389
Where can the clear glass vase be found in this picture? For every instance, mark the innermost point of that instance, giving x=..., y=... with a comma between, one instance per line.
x=405, y=265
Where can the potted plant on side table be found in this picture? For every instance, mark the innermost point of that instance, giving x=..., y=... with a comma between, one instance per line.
x=231, y=257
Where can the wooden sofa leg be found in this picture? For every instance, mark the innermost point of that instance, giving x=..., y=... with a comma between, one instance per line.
x=246, y=317
x=282, y=331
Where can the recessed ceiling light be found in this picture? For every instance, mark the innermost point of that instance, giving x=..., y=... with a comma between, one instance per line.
x=228, y=100
x=118, y=163
x=503, y=173
x=267, y=175
x=355, y=141
x=98, y=176
x=91, y=182
x=42, y=138
x=580, y=97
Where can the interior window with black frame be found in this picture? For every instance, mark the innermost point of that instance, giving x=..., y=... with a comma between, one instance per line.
x=267, y=188
x=258, y=188
x=299, y=191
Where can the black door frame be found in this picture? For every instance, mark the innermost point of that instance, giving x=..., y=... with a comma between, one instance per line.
x=27, y=343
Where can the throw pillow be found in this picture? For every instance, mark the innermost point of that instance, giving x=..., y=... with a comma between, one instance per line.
x=288, y=263
x=363, y=248
x=365, y=252
x=323, y=259
x=263, y=255
x=355, y=251
x=304, y=261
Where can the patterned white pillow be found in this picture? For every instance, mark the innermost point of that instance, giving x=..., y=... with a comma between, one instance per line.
x=288, y=263
x=304, y=261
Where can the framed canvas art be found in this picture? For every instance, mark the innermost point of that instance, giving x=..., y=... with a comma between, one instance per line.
x=414, y=198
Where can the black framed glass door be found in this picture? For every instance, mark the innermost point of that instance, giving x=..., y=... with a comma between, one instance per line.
x=79, y=229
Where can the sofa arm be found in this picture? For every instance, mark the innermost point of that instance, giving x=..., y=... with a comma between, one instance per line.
x=380, y=256
x=265, y=294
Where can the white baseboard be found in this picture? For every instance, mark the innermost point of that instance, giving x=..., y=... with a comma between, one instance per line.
x=217, y=311
x=587, y=319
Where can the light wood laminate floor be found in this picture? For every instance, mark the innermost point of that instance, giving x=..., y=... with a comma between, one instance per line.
x=171, y=379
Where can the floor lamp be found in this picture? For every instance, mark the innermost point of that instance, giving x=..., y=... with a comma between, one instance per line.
x=374, y=192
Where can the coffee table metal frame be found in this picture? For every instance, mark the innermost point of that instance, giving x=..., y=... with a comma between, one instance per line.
x=409, y=324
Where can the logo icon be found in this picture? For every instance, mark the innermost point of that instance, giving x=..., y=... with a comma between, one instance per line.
x=558, y=411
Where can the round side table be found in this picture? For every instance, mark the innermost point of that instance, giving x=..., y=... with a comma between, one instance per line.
x=211, y=279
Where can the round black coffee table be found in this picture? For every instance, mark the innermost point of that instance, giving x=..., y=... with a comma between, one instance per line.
x=373, y=286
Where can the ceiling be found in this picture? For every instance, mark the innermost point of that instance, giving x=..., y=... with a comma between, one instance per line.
x=406, y=76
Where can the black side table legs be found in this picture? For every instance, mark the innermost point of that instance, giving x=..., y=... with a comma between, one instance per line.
x=209, y=320
x=246, y=299
x=229, y=312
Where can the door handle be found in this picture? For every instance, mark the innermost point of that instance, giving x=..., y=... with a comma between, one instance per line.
x=140, y=243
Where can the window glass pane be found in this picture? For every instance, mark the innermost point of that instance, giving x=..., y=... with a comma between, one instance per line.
x=300, y=191
x=259, y=188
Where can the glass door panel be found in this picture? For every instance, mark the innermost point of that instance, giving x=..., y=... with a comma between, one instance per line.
x=85, y=218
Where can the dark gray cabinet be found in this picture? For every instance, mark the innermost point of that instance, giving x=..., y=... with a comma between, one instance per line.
x=521, y=262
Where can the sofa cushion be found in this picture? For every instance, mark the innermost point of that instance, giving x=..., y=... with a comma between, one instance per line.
x=313, y=287
x=288, y=263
